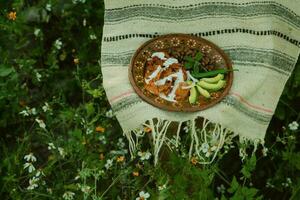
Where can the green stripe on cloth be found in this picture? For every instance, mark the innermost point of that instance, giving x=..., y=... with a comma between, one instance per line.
x=126, y=103
x=202, y=11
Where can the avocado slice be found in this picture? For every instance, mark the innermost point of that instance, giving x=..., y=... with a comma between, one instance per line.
x=193, y=95
x=203, y=92
x=213, y=79
x=212, y=86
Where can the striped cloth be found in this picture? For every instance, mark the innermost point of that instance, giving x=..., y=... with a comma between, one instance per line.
x=261, y=37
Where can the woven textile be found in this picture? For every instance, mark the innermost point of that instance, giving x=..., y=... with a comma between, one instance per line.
x=262, y=38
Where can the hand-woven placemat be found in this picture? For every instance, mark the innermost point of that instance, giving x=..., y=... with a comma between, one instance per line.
x=261, y=38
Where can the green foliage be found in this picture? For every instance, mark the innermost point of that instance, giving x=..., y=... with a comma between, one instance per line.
x=241, y=192
x=60, y=140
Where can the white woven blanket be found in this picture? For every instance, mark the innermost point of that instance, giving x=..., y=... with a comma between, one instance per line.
x=261, y=37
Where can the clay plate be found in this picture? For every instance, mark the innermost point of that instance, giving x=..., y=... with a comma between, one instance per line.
x=178, y=45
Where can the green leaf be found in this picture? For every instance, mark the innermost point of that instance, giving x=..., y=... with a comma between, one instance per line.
x=234, y=186
x=189, y=59
x=89, y=109
x=249, y=166
x=198, y=57
x=5, y=71
x=188, y=65
x=196, y=67
x=292, y=158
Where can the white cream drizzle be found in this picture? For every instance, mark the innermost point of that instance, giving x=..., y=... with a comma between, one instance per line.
x=169, y=61
x=153, y=75
x=160, y=55
x=190, y=77
x=164, y=80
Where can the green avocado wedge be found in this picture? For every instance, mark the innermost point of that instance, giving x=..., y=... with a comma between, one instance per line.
x=212, y=86
x=213, y=79
x=193, y=95
x=203, y=92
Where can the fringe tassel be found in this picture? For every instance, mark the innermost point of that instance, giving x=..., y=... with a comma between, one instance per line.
x=158, y=135
x=207, y=135
x=132, y=145
x=206, y=141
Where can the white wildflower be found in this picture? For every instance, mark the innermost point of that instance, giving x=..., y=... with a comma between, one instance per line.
x=61, y=152
x=121, y=143
x=186, y=129
x=33, y=183
x=162, y=187
x=285, y=185
x=49, y=190
x=37, y=32
x=144, y=155
x=30, y=167
x=84, y=22
x=89, y=131
x=85, y=189
x=48, y=7
x=25, y=113
x=143, y=196
x=294, y=126
x=93, y=37
x=28, y=111
x=204, y=147
x=33, y=111
x=51, y=146
x=46, y=107
x=102, y=139
x=39, y=173
x=109, y=114
x=30, y=158
x=41, y=123
x=221, y=189
x=108, y=163
x=58, y=44
x=68, y=195
x=38, y=76
x=269, y=184
x=265, y=151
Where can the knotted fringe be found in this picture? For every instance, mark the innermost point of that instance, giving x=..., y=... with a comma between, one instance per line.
x=205, y=141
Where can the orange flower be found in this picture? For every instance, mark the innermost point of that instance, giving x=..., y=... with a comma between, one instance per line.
x=22, y=103
x=147, y=129
x=194, y=161
x=120, y=159
x=76, y=61
x=12, y=16
x=100, y=129
x=135, y=174
x=101, y=156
